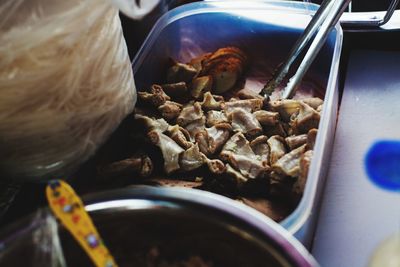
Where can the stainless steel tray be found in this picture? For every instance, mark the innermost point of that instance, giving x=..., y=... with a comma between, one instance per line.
x=266, y=30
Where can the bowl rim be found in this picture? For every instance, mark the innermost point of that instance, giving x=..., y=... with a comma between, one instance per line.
x=167, y=196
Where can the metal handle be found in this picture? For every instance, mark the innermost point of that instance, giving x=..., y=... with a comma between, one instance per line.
x=334, y=13
x=368, y=19
x=299, y=46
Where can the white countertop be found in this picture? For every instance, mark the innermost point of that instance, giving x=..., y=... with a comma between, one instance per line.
x=355, y=215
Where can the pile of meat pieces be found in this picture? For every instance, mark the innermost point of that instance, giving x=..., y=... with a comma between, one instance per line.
x=247, y=137
x=200, y=120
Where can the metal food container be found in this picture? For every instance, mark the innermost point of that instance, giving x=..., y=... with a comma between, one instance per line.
x=266, y=30
x=179, y=222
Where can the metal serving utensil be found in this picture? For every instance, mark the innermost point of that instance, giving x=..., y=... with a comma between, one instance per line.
x=357, y=21
x=321, y=24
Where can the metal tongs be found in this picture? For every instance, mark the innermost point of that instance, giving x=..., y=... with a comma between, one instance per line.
x=321, y=24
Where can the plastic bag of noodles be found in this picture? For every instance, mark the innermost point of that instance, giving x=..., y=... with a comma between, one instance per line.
x=34, y=243
x=65, y=84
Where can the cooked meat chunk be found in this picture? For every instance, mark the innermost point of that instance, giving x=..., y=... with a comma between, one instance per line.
x=140, y=165
x=219, y=98
x=215, y=165
x=170, y=110
x=313, y=102
x=215, y=117
x=218, y=135
x=229, y=51
x=267, y=118
x=156, y=97
x=180, y=72
x=147, y=167
x=248, y=94
x=210, y=103
x=236, y=175
x=280, y=185
x=277, y=129
x=170, y=150
x=305, y=161
x=200, y=85
x=245, y=122
x=226, y=66
x=225, y=75
x=202, y=140
x=175, y=89
x=152, y=124
x=212, y=139
x=285, y=107
x=319, y=108
x=261, y=149
x=145, y=96
x=175, y=183
x=295, y=141
x=223, y=57
x=196, y=126
x=238, y=153
x=276, y=147
x=306, y=119
x=191, y=159
x=311, y=137
x=237, y=144
x=250, y=168
x=232, y=99
x=250, y=105
x=287, y=128
x=180, y=136
x=190, y=113
x=197, y=62
x=289, y=164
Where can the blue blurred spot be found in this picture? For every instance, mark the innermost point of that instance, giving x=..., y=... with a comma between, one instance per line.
x=382, y=164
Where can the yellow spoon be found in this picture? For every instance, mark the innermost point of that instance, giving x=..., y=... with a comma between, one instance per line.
x=69, y=209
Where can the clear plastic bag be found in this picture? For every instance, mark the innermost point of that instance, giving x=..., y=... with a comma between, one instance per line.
x=65, y=84
x=37, y=244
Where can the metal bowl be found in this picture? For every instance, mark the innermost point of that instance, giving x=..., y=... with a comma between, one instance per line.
x=180, y=223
